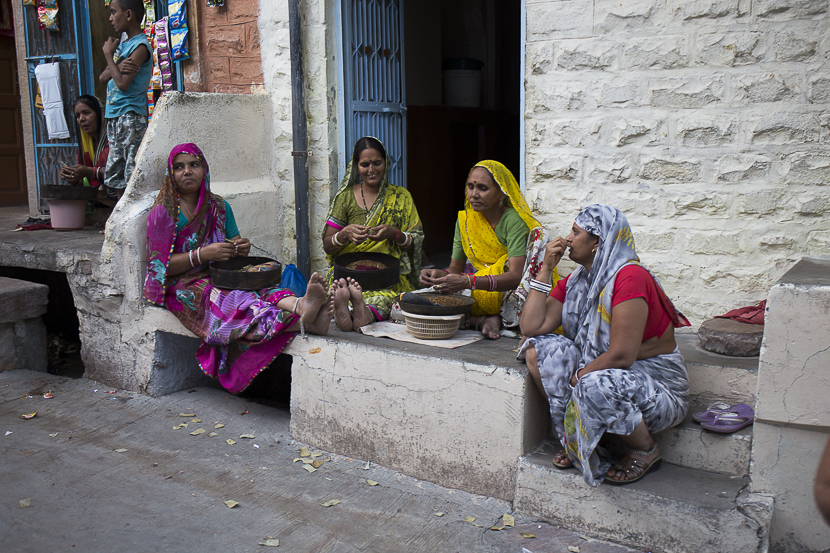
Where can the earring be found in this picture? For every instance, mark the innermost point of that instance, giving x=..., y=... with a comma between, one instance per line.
x=503, y=201
x=594, y=250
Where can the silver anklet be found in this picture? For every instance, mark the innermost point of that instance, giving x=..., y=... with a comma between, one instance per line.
x=302, y=326
x=645, y=453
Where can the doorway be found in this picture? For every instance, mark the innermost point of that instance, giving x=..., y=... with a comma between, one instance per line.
x=444, y=141
x=12, y=161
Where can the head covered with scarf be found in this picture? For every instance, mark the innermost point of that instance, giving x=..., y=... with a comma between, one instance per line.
x=586, y=315
x=163, y=238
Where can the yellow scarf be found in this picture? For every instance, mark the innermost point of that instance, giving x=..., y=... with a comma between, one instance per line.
x=481, y=245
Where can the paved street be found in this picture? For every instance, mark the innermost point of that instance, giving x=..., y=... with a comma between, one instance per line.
x=106, y=470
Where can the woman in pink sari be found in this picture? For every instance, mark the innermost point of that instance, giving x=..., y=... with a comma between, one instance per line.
x=241, y=331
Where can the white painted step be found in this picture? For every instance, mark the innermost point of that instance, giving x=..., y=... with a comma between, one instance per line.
x=673, y=510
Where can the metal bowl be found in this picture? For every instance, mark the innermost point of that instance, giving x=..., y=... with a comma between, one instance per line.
x=451, y=304
x=75, y=192
x=386, y=276
x=228, y=274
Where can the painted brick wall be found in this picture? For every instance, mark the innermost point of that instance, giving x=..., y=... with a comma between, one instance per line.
x=229, y=47
x=707, y=122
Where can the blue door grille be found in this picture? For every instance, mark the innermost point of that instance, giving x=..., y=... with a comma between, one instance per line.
x=375, y=99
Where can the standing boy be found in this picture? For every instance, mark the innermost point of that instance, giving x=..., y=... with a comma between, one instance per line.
x=129, y=68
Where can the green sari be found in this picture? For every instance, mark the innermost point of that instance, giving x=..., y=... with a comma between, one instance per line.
x=394, y=207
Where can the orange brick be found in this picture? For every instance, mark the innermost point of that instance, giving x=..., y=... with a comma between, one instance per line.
x=242, y=10
x=219, y=69
x=252, y=34
x=214, y=17
x=246, y=71
x=226, y=41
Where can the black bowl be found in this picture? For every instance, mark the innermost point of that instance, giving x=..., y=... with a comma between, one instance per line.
x=450, y=304
x=369, y=280
x=227, y=274
x=75, y=192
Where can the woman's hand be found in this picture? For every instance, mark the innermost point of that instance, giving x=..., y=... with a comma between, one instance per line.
x=75, y=173
x=429, y=276
x=383, y=232
x=218, y=251
x=451, y=283
x=356, y=234
x=242, y=246
x=554, y=252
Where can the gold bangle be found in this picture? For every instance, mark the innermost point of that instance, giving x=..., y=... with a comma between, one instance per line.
x=469, y=282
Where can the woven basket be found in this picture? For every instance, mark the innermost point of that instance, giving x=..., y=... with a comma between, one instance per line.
x=431, y=327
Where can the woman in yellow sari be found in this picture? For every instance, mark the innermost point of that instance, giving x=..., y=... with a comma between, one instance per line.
x=369, y=214
x=498, y=235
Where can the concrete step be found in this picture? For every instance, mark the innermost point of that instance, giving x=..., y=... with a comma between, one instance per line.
x=674, y=510
x=690, y=445
x=715, y=377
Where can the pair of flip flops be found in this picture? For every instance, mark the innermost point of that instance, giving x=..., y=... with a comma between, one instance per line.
x=724, y=418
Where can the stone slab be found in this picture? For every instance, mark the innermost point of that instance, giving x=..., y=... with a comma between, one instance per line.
x=8, y=355
x=784, y=463
x=690, y=445
x=30, y=345
x=22, y=300
x=674, y=510
x=793, y=376
x=732, y=338
x=461, y=421
x=166, y=491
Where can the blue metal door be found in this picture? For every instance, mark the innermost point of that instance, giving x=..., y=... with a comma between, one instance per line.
x=70, y=47
x=375, y=100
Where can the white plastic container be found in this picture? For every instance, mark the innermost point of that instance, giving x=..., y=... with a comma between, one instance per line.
x=67, y=214
x=462, y=87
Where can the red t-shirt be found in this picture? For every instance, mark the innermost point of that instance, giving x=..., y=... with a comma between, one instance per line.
x=632, y=281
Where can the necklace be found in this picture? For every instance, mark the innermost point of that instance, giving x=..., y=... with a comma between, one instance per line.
x=188, y=210
x=365, y=207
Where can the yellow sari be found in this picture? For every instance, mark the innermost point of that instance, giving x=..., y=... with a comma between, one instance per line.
x=487, y=255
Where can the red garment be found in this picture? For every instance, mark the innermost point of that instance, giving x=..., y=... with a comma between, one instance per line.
x=753, y=314
x=632, y=282
x=84, y=159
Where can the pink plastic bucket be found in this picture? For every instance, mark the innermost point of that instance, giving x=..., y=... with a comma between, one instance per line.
x=67, y=214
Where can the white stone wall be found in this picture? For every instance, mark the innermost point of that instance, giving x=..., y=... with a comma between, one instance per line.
x=320, y=75
x=706, y=122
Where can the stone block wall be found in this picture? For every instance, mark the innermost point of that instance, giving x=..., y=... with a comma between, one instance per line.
x=229, y=48
x=707, y=123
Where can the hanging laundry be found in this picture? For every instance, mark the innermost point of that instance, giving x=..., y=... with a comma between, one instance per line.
x=48, y=80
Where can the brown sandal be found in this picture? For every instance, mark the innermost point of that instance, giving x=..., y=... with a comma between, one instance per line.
x=561, y=460
x=634, y=467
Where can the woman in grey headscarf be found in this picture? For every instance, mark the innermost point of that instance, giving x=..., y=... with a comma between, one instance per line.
x=616, y=367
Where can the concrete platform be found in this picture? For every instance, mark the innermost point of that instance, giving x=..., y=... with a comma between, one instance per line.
x=166, y=491
x=715, y=377
x=674, y=510
x=691, y=446
x=460, y=418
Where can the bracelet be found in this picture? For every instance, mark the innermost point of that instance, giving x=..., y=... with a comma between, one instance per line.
x=334, y=240
x=577, y=372
x=190, y=256
x=199, y=255
x=469, y=282
x=408, y=241
x=395, y=239
x=540, y=286
x=492, y=281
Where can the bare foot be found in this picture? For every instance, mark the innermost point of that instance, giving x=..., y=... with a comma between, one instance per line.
x=315, y=297
x=491, y=327
x=340, y=291
x=320, y=325
x=361, y=316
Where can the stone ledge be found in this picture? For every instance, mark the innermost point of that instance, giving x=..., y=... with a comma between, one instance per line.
x=672, y=510
x=22, y=300
x=459, y=418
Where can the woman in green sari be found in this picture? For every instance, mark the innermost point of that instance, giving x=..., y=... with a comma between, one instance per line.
x=369, y=214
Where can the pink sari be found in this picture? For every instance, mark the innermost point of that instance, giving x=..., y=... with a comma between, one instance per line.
x=241, y=332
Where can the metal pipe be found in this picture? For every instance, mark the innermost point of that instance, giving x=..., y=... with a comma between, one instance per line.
x=300, y=138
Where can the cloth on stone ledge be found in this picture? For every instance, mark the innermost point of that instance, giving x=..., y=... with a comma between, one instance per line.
x=753, y=314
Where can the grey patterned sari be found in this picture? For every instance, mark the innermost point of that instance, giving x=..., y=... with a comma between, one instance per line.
x=654, y=390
